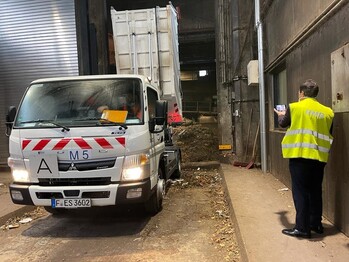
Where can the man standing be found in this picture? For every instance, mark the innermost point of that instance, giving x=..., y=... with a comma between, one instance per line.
x=307, y=144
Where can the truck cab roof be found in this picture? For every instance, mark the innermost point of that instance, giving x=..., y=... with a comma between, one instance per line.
x=90, y=77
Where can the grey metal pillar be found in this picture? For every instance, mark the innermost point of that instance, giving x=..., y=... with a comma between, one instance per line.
x=261, y=86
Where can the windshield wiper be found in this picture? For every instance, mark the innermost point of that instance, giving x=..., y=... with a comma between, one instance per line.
x=102, y=121
x=64, y=128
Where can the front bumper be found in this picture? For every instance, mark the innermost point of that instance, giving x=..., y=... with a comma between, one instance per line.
x=102, y=195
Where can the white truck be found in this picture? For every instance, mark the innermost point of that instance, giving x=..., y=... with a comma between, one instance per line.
x=84, y=141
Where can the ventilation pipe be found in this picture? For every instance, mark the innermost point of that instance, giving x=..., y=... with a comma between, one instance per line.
x=261, y=86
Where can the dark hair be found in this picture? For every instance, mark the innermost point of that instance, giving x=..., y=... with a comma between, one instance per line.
x=310, y=88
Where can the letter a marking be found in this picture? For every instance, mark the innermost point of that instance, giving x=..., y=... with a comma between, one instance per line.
x=45, y=167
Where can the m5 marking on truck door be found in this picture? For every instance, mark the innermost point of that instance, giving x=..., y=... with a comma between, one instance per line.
x=44, y=165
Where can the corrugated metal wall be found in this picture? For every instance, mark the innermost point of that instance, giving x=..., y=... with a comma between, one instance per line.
x=37, y=39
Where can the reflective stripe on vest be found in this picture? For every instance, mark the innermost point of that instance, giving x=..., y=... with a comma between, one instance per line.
x=310, y=132
x=307, y=145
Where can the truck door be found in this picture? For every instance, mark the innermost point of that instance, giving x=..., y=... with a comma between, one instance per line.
x=157, y=139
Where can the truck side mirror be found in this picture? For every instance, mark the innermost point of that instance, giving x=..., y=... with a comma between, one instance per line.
x=152, y=125
x=10, y=117
x=161, y=112
x=160, y=117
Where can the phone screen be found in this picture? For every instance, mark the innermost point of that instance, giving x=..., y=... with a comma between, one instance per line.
x=281, y=107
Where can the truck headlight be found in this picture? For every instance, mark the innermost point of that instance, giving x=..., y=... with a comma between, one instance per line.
x=136, y=167
x=18, y=170
x=133, y=173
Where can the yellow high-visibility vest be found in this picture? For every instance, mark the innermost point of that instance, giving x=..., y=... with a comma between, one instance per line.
x=309, y=134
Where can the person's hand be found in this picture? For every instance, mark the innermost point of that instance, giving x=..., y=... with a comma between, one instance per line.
x=102, y=108
x=280, y=113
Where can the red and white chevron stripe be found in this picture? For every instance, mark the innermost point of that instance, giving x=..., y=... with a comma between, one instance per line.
x=53, y=144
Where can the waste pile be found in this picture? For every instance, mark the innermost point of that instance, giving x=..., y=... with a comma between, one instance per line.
x=197, y=142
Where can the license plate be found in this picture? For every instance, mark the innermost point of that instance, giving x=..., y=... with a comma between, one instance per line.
x=71, y=203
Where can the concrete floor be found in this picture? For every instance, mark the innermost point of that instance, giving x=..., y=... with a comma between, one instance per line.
x=262, y=207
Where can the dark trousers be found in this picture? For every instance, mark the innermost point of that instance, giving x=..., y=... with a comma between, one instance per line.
x=307, y=176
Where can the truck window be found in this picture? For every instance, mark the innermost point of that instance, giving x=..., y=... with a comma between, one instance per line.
x=78, y=102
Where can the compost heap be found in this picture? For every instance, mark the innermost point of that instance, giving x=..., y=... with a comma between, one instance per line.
x=197, y=143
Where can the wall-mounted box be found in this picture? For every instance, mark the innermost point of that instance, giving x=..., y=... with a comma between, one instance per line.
x=340, y=79
x=252, y=73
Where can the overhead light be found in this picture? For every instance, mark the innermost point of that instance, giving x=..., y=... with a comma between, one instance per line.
x=202, y=73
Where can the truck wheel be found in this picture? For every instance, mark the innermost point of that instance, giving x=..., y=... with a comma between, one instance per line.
x=154, y=204
x=178, y=172
x=55, y=211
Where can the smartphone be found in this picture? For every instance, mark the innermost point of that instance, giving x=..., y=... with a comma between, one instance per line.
x=280, y=107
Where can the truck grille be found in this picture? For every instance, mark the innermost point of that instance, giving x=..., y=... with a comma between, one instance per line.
x=85, y=166
x=47, y=195
x=100, y=194
x=91, y=181
x=92, y=195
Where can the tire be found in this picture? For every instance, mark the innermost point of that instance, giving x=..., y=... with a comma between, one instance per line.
x=178, y=172
x=55, y=211
x=154, y=204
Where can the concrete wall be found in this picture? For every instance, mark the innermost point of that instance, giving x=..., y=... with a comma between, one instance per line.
x=245, y=99
x=238, y=103
x=224, y=71
x=310, y=58
x=286, y=19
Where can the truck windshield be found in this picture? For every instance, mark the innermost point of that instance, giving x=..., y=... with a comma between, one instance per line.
x=76, y=103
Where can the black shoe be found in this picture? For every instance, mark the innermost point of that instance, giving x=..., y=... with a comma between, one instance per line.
x=293, y=232
x=317, y=229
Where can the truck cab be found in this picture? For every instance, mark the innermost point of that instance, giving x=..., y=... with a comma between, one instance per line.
x=91, y=141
